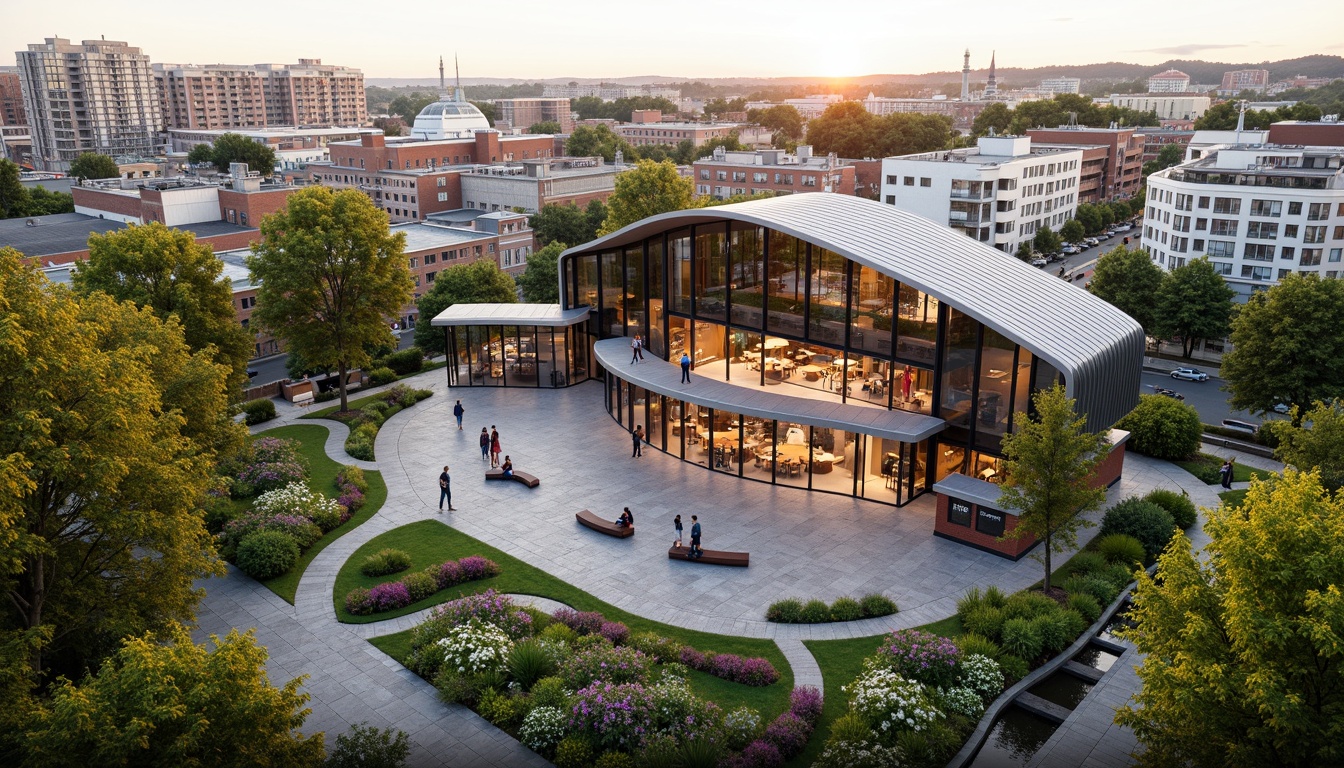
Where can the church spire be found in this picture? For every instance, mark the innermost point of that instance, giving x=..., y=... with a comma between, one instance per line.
x=966, y=75
x=992, y=86
x=457, y=94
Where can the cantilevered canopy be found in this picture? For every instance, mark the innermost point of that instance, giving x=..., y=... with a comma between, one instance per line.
x=544, y=315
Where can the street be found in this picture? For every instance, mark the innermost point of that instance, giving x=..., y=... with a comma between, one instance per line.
x=273, y=368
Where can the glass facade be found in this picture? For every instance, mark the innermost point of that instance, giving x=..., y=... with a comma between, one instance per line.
x=517, y=356
x=761, y=308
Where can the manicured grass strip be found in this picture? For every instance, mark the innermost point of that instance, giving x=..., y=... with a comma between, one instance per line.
x=355, y=405
x=321, y=477
x=1233, y=498
x=1206, y=465
x=430, y=542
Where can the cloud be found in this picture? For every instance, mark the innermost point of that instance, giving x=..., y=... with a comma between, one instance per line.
x=1189, y=48
x=1062, y=19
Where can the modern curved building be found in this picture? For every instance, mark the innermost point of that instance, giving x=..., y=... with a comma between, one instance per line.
x=449, y=118
x=838, y=344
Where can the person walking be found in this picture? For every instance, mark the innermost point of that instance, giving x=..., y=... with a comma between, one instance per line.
x=494, y=446
x=696, y=551
x=639, y=350
x=676, y=525
x=445, y=490
x=638, y=436
x=685, y=368
x=634, y=350
x=1225, y=474
x=458, y=410
x=485, y=445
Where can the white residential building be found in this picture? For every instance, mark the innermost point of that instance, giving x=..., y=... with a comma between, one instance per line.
x=1053, y=85
x=1171, y=81
x=1167, y=106
x=1000, y=193
x=1258, y=212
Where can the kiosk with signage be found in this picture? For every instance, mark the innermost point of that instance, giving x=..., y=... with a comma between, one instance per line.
x=969, y=513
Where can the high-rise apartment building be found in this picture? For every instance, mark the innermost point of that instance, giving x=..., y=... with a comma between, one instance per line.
x=308, y=94
x=11, y=99
x=1053, y=85
x=1122, y=167
x=521, y=113
x=1171, y=81
x=1239, y=80
x=95, y=96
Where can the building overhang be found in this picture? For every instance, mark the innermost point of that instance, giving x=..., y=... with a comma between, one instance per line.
x=542, y=315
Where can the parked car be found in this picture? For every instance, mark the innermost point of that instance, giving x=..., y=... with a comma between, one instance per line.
x=1241, y=426
x=1092, y=241
x=1282, y=407
x=1163, y=391
x=1070, y=250
x=1189, y=374
x=1104, y=236
x=1039, y=262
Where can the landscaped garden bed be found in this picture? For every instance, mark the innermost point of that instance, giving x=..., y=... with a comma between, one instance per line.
x=291, y=500
x=794, y=611
x=367, y=415
x=1206, y=466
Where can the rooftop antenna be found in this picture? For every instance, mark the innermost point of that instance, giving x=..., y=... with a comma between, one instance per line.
x=457, y=94
x=443, y=88
x=1241, y=119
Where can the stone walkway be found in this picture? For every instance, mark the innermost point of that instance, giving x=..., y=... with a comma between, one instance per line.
x=802, y=545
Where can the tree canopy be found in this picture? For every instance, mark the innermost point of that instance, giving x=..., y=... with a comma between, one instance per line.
x=1244, y=662
x=545, y=127
x=648, y=189
x=1072, y=231
x=479, y=282
x=1046, y=241
x=92, y=165
x=168, y=271
x=236, y=148
x=1223, y=116
x=109, y=433
x=1129, y=280
x=176, y=703
x=1286, y=345
x=598, y=140
x=1313, y=440
x=1194, y=303
x=17, y=200
x=591, y=107
x=331, y=278
x=541, y=280
x=408, y=105
x=1049, y=463
x=783, y=119
x=567, y=223
x=849, y=130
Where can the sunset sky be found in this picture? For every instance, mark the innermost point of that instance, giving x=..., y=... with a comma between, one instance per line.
x=695, y=38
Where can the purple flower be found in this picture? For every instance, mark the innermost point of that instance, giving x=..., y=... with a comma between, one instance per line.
x=806, y=702
x=789, y=733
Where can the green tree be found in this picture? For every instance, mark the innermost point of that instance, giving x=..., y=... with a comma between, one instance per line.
x=1049, y=466
x=201, y=154
x=687, y=153
x=1046, y=241
x=783, y=119
x=905, y=134
x=13, y=196
x=237, y=148
x=541, y=280
x=1024, y=251
x=368, y=747
x=168, y=271
x=598, y=141
x=847, y=129
x=92, y=165
x=480, y=282
x=109, y=434
x=1089, y=216
x=596, y=213
x=1072, y=231
x=487, y=109
x=1194, y=303
x=42, y=202
x=1243, y=659
x=565, y=222
x=331, y=277
x=1129, y=280
x=1314, y=440
x=544, y=127
x=176, y=703
x=1286, y=345
x=648, y=189
x=996, y=116
x=407, y=106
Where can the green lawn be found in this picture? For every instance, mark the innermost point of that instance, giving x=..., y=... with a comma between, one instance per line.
x=1205, y=466
x=429, y=542
x=321, y=477
x=1233, y=498
x=355, y=405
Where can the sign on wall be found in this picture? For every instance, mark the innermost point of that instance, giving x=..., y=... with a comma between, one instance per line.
x=958, y=512
x=989, y=522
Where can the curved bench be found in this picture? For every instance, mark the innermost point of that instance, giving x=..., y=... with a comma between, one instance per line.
x=711, y=557
x=530, y=481
x=589, y=520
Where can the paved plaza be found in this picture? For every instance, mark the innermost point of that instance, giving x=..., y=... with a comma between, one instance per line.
x=806, y=545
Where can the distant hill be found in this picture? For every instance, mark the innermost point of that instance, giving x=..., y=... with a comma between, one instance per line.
x=1204, y=72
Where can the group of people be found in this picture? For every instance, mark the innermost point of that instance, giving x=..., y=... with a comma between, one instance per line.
x=696, y=551
x=636, y=349
x=490, y=446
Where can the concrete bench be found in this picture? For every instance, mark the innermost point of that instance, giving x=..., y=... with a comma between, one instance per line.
x=303, y=400
x=589, y=520
x=498, y=474
x=711, y=557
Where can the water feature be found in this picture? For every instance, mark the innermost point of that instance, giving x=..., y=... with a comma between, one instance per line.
x=1097, y=658
x=1016, y=736
x=1062, y=688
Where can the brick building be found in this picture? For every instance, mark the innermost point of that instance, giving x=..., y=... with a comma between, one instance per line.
x=1122, y=172
x=521, y=113
x=534, y=183
x=11, y=100
x=240, y=199
x=647, y=129
x=1317, y=134
x=726, y=174
x=1239, y=80
x=1154, y=139
x=309, y=94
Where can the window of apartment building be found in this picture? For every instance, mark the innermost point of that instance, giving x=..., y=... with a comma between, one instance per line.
x=1294, y=209
x=1203, y=201
x=1289, y=230
x=704, y=174
x=443, y=197
x=242, y=218
x=508, y=256
x=1257, y=252
x=230, y=215
x=1339, y=233
x=477, y=250
x=1256, y=273
x=1262, y=230
x=1314, y=235
x=1223, y=268
x=415, y=262
x=1183, y=202
x=891, y=199
x=491, y=247
x=925, y=181
x=1266, y=207
x=784, y=178
x=1336, y=253
x=739, y=175
x=442, y=181
x=1284, y=273
x=1178, y=244
x=248, y=302
x=739, y=190
x=1197, y=246
x=1287, y=253
x=1181, y=223
x=1224, y=227
x=720, y=175
x=809, y=181
x=1230, y=205
x=1317, y=211
x=1311, y=257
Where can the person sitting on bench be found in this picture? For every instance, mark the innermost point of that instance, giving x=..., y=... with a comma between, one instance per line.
x=626, y=519
x=507, y=467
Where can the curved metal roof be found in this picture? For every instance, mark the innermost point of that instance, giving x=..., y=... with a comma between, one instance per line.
x=1097, y=348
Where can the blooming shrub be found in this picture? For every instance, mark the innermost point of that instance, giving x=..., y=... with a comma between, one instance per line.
x=963, y=701
x=267, y=464
x=806, y=702
x=582, y=622
x=450, y=574
x=615, y=631
x=740, y=727
x=859, y=754
x=489, y=606
x=422, y=584
x=476, y=646
x=731, y=667
x=612, y=716
x=389, y=597
x=679, y=713
x=357, y=601
x=475, y=567
x=891, y=703
x=300, y=529
x=789, y=733
x=664, y=649
x=607, y=663
x=920, y=656
x=758, y=754
x=543, y=728
x=300, y=500
x=981, y=675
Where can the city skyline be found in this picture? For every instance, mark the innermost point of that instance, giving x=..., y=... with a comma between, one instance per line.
x=610, y=40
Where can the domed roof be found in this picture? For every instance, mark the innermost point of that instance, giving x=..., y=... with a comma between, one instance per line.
x=449, y=119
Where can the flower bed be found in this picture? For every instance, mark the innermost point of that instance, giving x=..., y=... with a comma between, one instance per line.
x=579, y=689
x=389, y=596
x=365, y=422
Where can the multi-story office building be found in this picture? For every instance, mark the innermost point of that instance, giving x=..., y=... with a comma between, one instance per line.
x=1054, y=85
x=726, y=174
x=97, y=96
x=531, y=184
x=1154, y=139
x=295, y=148
x=647, y=129
x=11, y=98
x=1167, y=106
x=1000, y=192
x=1239, y=80
x=608, y=91
x=1258, y=212
x=521, y=113
x=1122, y=167
x=1170, y=81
